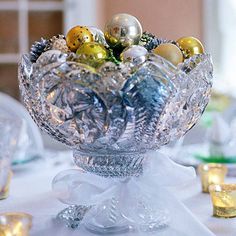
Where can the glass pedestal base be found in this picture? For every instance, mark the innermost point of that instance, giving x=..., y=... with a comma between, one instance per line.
x=110, y=222
x=119, y=197
x=96, y=228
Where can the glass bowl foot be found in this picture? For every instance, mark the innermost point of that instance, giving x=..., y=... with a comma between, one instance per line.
x=96, y=228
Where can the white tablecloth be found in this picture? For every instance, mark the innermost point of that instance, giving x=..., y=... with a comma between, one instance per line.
x=31, y=193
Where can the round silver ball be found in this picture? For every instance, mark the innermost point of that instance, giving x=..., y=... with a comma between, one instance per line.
x=134, y=54
x=123, y=30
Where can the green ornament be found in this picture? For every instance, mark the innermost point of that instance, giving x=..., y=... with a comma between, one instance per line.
x=92, y=53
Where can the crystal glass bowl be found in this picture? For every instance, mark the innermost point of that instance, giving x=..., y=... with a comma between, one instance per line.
x=112, y=116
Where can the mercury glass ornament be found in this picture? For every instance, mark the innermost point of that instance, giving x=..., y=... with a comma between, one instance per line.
x=134, y=54
x=112, y=118
x=123, y=30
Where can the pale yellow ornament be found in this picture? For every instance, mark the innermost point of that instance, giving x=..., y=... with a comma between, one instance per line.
x=170, y=52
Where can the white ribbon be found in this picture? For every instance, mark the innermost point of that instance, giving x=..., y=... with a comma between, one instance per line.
x=77, y=187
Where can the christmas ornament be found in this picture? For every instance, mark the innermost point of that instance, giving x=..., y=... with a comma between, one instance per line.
x=190, y=46
x=123, y=30
x=93, y=54
x=170, y=52
x=77, y=36
x=58, y=43
x=98, y=35
x=37, y=49
x=134, y=54
x=150, y=41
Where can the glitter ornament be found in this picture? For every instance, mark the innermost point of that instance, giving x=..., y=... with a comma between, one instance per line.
x=149, y=41
x=134, y=54
x=58, y=43
x=77, y=36
x=170, y=52
x=37, y=49
x=93, y=54
x=190, y=46
x=123, y=30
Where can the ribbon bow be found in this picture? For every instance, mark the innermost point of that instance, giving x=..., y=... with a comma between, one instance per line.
x=75, y=187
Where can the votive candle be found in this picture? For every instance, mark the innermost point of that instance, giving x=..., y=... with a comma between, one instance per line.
x=15, y=223
x=211, y=174
x=223, y=198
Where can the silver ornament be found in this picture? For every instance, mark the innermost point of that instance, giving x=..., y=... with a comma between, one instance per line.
x=134, y=54
x=123, y=30
x=98, y=35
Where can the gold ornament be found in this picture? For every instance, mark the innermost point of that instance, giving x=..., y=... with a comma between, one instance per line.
x=123, y=30
x=77, y=36
x=170, y=52
x=93, y=54
x=190, y=46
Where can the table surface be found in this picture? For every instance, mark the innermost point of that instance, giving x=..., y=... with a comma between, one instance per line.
x=31, y=192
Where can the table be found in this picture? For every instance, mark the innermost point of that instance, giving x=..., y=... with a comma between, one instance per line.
x=31, y=193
